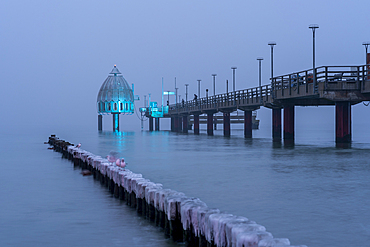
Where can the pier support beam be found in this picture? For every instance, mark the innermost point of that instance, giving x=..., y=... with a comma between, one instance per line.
x=289, y=123
x=150, y=123
x=343, y=122
x=172, y=124
x=210, y=124
x=196, y=124
x=176, y=124
x=185, y=127
x=115, y=121
x=156, y=123
x=100, y=122
x=248, y=124
x=179, y=119
x=276, y=125
x=227, y=131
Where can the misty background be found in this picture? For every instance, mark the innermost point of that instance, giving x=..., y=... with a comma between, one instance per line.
x=55, y=55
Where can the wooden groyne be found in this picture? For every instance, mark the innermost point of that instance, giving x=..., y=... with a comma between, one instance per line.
x=184, y=219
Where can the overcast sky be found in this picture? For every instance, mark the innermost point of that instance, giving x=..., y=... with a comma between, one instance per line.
x=56, y=54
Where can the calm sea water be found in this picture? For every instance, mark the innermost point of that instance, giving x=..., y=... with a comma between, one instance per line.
x=312, y=193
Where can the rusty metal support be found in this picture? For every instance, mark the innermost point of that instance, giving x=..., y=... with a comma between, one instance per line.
x=343, y=122
x=289, y=123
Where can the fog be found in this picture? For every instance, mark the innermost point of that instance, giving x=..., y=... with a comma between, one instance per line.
x=56, y=54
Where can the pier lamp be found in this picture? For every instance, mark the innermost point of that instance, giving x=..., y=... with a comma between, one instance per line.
x=259, y=77
x=234, y=68
x=313, y=27
x=199, y=87
x=259, y=66
x=366, y=44
x=271, y=44
x=186, y=92
x=214, y=84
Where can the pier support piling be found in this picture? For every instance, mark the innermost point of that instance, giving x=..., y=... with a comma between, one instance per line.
x=343, y=122
x=100, y=122
x=185, y=124
x=150, y=123
x=157, y=123
x=115, y=121
x=248, y=124
x=210, y=124
x=179, y=119
x=276, y=124
x=227, y=124
x=196, y=124
x=172, y=124
x=289, y=123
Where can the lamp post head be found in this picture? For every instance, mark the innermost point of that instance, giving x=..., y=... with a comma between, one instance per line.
x=313, y=27
x=259, y=58
x=272, y=43
x=214, y=74
x=366, y=44
x=233, y=67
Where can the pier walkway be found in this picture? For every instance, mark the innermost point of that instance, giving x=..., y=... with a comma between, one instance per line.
x=342, y=86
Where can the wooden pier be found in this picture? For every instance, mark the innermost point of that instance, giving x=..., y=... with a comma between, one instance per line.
x=184, y=219
x=340, y=86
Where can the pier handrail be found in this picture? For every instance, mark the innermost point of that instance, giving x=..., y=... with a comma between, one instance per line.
x=335, y=77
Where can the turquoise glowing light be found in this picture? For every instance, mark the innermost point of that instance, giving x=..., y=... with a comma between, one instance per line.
x=115, y=95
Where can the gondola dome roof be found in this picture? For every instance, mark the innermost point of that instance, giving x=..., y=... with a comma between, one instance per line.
x=115, y=88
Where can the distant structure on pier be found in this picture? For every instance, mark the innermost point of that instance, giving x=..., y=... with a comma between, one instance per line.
x=115, y=97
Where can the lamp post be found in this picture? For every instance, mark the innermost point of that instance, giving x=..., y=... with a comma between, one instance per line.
x=259, y=80
x=259, y=66
x=313, y=27
x=214, y=84
x=186, y=92
x=271, y=44
x=199, y=87
x=234, y=68
x=366, y=44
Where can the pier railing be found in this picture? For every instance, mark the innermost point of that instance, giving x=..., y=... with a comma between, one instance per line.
x=289, y=86
x=232, y=100
x=327, y=78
